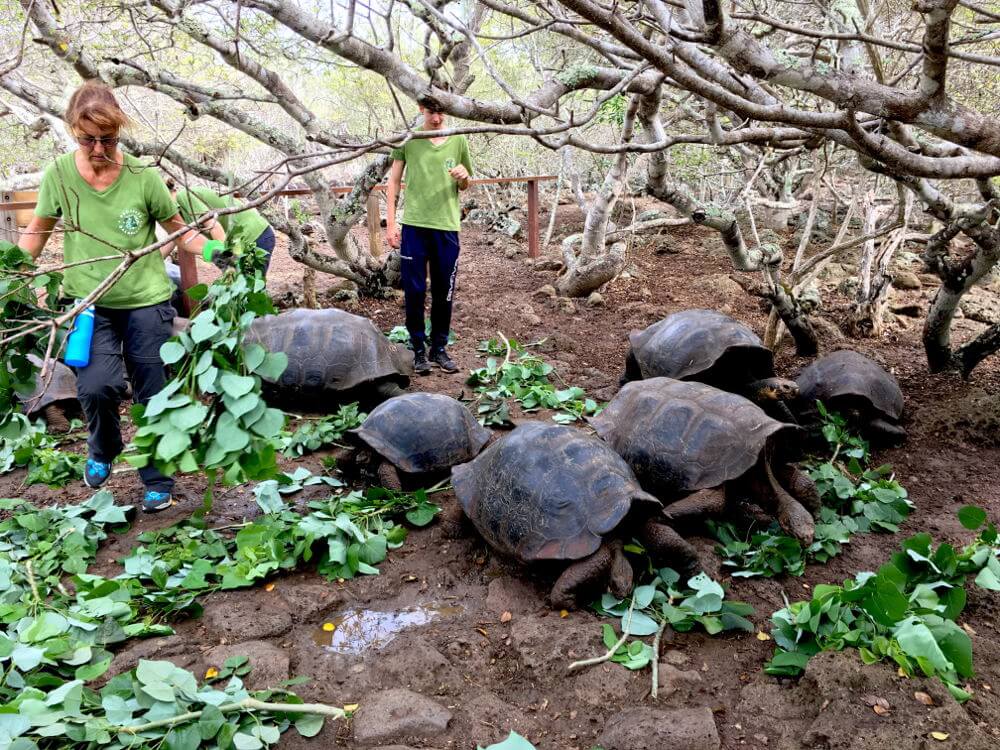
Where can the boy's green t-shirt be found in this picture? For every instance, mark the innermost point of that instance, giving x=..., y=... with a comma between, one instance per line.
x=116, y=220
x=193, y=203
x=432, y=193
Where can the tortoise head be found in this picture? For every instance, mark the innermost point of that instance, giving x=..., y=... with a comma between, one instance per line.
x=775, y=389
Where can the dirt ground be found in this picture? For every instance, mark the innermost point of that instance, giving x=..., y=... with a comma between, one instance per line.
x=477, y=676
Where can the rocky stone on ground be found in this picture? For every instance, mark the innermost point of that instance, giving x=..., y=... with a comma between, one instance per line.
x=981, y=306
x=246, y=616
x=398, y=715
x=906, y=280
x=268, y=663
x=654, y=729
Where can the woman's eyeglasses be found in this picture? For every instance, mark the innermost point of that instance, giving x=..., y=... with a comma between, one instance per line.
x=88, y=141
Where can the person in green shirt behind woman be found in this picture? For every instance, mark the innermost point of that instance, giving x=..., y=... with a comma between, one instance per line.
x=109, y=202
x=247, y=224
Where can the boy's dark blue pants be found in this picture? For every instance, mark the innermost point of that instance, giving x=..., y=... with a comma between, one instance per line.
x=123, y=339
x=420, y=248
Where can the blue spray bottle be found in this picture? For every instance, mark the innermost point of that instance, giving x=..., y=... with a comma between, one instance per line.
x=78, y=342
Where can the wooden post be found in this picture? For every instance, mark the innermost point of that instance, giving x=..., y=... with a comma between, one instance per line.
x=8, y=220
x=532, y=218
x=374, y=225
x=189, y=277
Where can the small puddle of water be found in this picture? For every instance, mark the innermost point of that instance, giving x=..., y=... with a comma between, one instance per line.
x=360, y=630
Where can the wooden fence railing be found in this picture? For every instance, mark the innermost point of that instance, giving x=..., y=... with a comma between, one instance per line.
x=16, y=211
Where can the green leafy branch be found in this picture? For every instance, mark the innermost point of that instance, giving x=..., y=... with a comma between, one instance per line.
x=906, y=611
x=527, y=381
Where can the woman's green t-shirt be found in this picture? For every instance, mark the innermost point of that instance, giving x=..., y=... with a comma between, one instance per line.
x=113, y=221
x=248, y=224
x=432, y=193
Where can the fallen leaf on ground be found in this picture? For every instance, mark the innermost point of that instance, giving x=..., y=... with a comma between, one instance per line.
x=564, y=613
x=506, y=617
x=924, y=698
x=269, y=587
x=762, y=636
x=211, y=672
x=351, y=707
x=940, y=736
x=329, y=627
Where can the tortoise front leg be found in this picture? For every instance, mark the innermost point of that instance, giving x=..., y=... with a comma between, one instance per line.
x=886, y=432
x=792, y=516
x=697, y=506
x=800, y=486
x=454, y=523
x=55, y=418
x=666, y=546
x=632, y=369
x=388, y=476
x=583, y=578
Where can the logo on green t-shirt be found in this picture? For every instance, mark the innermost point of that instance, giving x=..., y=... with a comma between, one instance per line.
x=449, y=164
x=130, y=221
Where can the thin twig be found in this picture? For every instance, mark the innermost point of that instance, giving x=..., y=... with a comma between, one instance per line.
x=614, y=649
x=656, y=659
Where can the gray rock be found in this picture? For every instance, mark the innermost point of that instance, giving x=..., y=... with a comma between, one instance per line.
x=307, y=600
x=567, y=305
x=268, y=663
x=414, y=663
x=549, y=644
x=651, y=215
x=246, y=616
x=981, y=306
x=671, y=679
x=596, y=299
x=718, y=287
x=506, y=594
x=398, y=715
x=511, y=252
x=906, y=280
x=652, y=729
x=545, y=291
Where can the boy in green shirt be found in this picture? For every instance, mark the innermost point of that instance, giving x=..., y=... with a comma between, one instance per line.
x=436, y=170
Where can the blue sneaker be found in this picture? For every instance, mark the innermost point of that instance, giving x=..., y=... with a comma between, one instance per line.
x=96, y=473
x=156, y=501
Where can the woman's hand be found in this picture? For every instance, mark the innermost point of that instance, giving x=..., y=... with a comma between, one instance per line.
x=395, y=237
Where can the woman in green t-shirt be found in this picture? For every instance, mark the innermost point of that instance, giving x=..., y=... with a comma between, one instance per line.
x=108, y=202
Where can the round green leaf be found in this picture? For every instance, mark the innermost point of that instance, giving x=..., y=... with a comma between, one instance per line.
x=189, y=417
x=172, y=445
x=270, y=423
x=309, y=725
x=236, y=385
x=972, y=517
x=172, y=351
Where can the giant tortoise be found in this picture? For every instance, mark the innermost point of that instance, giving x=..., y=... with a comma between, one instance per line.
x=709, y=347
x=853, y=385
x=700, y=449
x=551, y=492
x=333, y=356
x=414, y=438
x=54, y=396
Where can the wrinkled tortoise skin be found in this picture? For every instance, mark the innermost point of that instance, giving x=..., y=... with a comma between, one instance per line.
x=61, y=389
x=547, y=492
x=329, y=351
x=423, y=432
x=680, y=437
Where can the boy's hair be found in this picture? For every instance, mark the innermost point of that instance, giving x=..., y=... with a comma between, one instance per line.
x=429, y=101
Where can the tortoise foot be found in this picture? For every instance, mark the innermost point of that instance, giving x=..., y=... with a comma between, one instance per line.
x=55, y=418
x=800, y=486
x=696, y=506
x=388, y=477
x=454, y=523
x=583, y=579
x=886, y=433
x=667, y=547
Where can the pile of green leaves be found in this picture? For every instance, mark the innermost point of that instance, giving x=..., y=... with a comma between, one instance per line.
x=662, y=602
x=345, y=535
x=527, y=381
x=314, y=434
x=905, y=611
x=211, y=414
x=19, y=307
x=23, y=443
x=54, y=641
x=855, y=499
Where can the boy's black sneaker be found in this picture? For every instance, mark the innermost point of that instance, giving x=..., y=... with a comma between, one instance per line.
x=441, y=359
x=420, y=364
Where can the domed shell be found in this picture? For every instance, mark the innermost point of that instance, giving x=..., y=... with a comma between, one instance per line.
x=847, y=373
x=61, y=387
x=423, y=432
x=547, y=492
x=680, y=437
x=701, y=345
x=328, y=351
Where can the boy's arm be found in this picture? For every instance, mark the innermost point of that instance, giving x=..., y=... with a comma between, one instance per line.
x=391, y=193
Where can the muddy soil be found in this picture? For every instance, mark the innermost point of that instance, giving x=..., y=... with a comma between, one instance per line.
x=451, y=645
